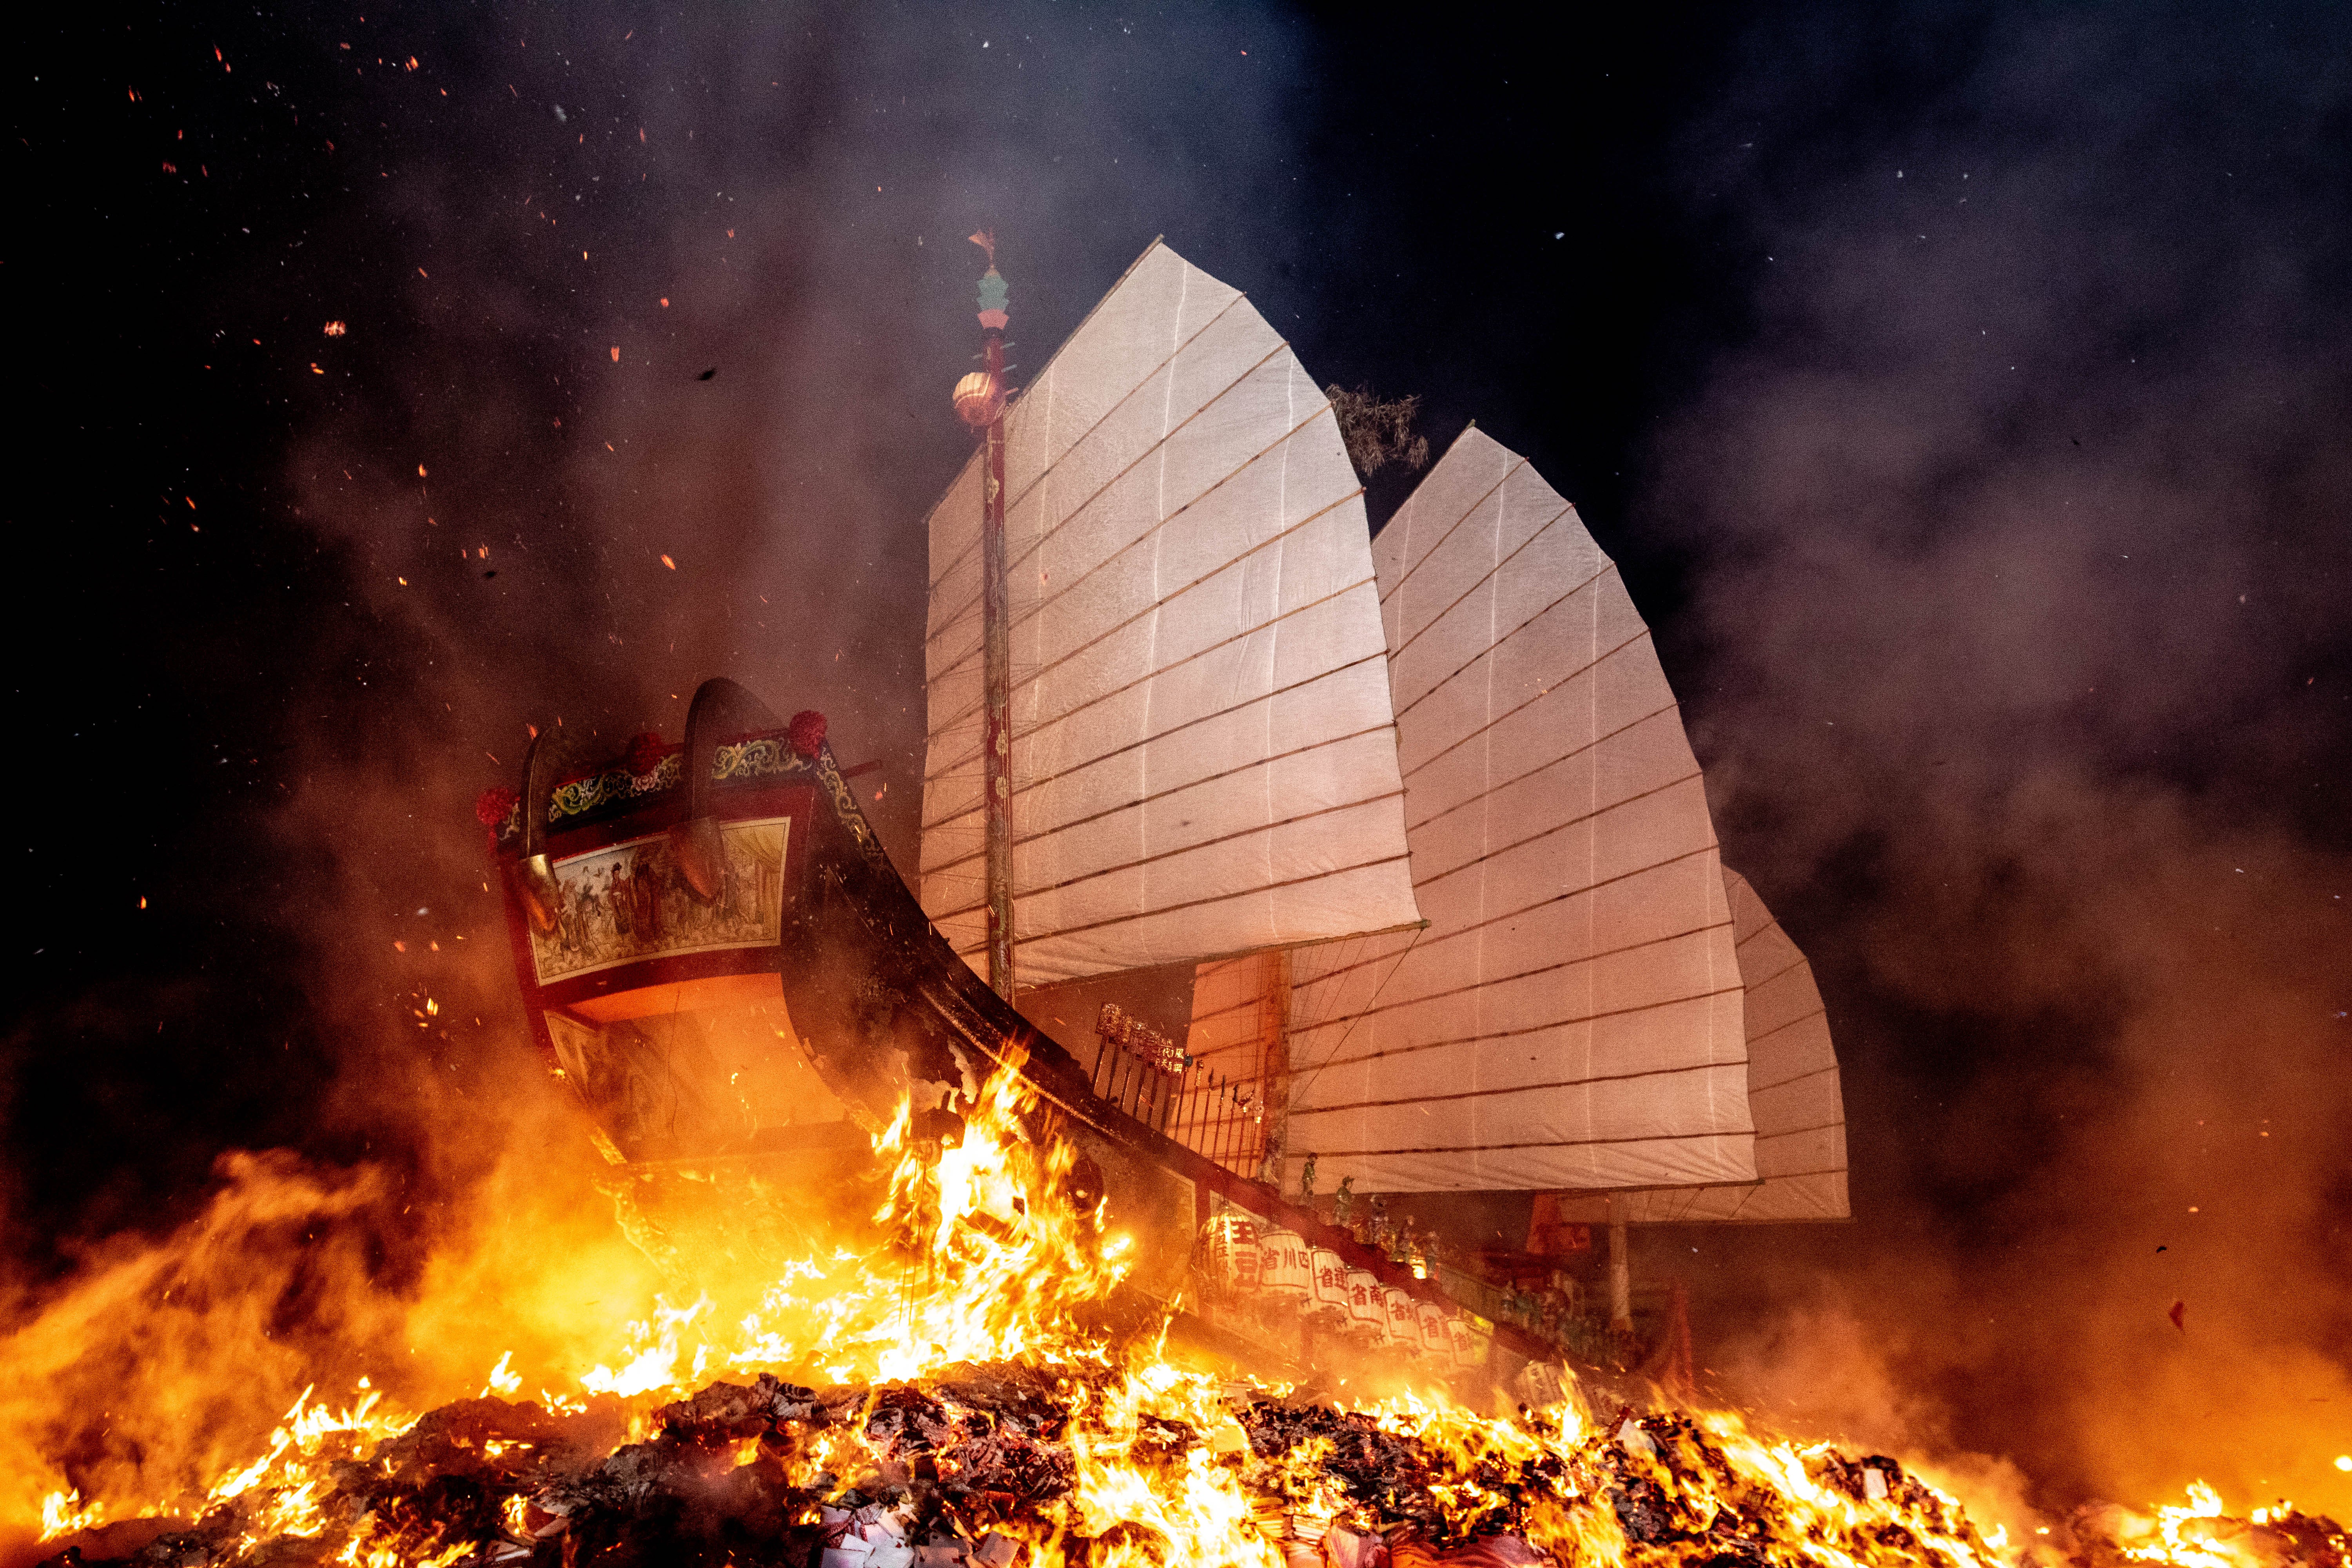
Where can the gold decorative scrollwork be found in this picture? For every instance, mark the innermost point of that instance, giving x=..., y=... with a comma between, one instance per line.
x=753, y=759
x=844, y=806
x=759, y=758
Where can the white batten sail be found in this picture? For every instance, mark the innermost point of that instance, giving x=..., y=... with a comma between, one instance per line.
x=1572, y=1016
x=1792, y=1093
x=1204, y=755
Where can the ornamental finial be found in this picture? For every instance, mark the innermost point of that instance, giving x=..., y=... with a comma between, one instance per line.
x=993, y=290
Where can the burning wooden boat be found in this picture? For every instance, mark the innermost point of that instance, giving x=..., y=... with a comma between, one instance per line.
x=1281, y=857
x=1319, y=838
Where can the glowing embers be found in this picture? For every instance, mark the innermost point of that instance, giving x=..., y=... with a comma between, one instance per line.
x=279, y=1496
x=63, y=1513
x=942, y=1386
x=1008, y=1462
x=2201, y=1534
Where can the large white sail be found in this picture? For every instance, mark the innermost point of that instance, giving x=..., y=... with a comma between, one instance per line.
x=1204, y=755
x=1792, y=1093
x=1571, y=1017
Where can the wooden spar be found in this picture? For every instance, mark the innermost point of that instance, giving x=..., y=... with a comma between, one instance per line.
x=1621, y=1275
x=998, y=676
x=996, y=673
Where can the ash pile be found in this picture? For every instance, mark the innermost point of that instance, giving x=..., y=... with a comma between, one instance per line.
x=997, y=1466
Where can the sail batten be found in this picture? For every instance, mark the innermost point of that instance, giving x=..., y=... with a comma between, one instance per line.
x=1573, y=1014
x=1205, y=653
x=1179, y=908
x=1016, y=562
x=1504, y=565
x=1438, y=873
x=1367, y=733
x=1793, y=1093
x=1397, y=581
x=1184, y=848
x=1755, y=1088
x=1541, y=692
x=1538, y=1088
x=969, y=554
x=1499, y=1036
x=1022, y=622
x=1203, y=756
x=1489, y=1147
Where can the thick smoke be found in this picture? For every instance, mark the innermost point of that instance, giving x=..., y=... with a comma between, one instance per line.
x=672, y=361
x=2021, y=671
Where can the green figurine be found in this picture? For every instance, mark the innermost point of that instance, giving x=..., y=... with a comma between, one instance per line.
x=1343, y=1202
x=1307, y=1183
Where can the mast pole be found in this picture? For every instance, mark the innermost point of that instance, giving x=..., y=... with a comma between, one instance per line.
x=997, y=636
x=1621, y=1275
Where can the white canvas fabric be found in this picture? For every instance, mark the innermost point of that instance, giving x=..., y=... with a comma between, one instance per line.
x=1572, y=1016
x=1792, y=1093
x=1204, y=755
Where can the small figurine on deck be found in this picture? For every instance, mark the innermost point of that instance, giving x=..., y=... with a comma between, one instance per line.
x=1343, y=1200
x=1306, y=1186
x=1416, y=1255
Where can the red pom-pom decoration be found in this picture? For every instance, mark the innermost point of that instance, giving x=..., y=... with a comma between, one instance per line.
x=806, y=732
x=644, y=753
x=494, y=805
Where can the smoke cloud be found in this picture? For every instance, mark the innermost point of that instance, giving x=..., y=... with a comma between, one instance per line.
x=2020, y=676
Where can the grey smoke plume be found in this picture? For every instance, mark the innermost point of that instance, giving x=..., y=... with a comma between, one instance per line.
x=712, y=315
x=2021, y=666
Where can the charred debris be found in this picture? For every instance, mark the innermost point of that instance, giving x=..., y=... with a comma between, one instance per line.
x=977, y=1467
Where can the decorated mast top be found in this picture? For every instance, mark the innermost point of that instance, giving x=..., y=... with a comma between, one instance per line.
x=992, y=288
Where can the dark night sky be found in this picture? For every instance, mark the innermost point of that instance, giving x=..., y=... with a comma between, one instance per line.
x=1965, y=392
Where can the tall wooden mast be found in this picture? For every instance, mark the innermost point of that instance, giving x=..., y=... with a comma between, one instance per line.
x=997, y=667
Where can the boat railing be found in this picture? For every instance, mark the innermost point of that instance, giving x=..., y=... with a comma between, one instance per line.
x=1148, y=1077
x=1140, y=1077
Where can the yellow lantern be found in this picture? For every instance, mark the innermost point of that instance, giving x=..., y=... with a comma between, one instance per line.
x=976, y=402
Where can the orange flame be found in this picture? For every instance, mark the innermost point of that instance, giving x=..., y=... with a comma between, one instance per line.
x=975, y=1255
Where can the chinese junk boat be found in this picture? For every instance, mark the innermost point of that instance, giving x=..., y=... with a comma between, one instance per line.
x=1277, y=855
